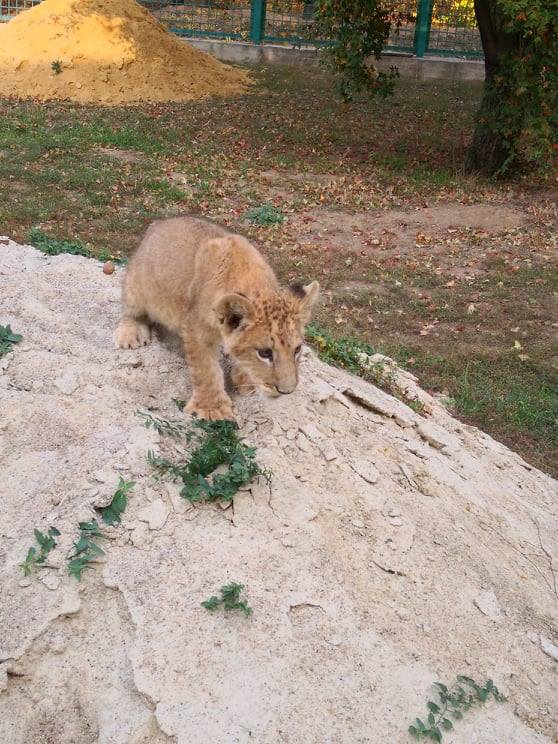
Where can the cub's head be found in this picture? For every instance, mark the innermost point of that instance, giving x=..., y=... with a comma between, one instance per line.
x=263, y=335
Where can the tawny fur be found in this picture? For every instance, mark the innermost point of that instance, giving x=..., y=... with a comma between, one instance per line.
x=215, y=289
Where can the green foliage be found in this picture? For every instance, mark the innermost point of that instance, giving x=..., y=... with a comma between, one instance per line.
x=216, y=444
x=46, y=544
x=56, y=66
x=86, y=549
x=265, y=215
x=457, y=14
x=526, y=83
x=520, y=104
x=7, y=339
x=165, y=427
x=230, y=599
x=53, y=246
x=111, y=513
x=179, y=403
x=356, y=31
x=452, y=703
x=348, y=353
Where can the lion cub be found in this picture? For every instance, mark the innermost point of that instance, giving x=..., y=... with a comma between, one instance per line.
x=214, y=288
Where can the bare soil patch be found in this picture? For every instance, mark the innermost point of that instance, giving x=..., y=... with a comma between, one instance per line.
x=394, y=232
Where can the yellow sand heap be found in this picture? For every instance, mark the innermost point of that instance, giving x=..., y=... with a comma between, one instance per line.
x=106, y=51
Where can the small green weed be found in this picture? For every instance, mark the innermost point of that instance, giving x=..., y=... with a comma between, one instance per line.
x=86, y=549
x=53, y=246
x=179, y=403
x=7, y=339
x=217, y=443
x=453, y=702
x=46, y=544
x=56, y=66
x=416, y=405
x=348, y=353
x=230, y=599
x=265, y=215
x=111, y=514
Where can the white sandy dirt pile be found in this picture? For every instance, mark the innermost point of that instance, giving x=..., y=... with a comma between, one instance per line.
x=105, y=52
x=391, y=550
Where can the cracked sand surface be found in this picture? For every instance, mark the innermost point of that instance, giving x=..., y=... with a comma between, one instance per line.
x=392, y=550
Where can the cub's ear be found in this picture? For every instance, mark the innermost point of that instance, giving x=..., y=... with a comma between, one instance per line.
x=307, y=295
x=233, y=310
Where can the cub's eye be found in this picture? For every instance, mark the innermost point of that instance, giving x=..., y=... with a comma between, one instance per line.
x=297, y=350
x=265, y=353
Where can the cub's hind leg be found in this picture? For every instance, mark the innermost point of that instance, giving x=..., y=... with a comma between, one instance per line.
x=133, y=330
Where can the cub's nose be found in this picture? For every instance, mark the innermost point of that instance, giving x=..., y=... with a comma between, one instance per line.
x=285, y=390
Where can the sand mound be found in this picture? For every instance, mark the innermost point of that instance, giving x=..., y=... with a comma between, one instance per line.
x=108, y=52
x=390, y=550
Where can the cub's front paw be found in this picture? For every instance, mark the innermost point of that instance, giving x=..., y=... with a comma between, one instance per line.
x=212, y=411
x=130, y=335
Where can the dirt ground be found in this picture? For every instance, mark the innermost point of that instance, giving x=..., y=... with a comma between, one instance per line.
x=392, y=549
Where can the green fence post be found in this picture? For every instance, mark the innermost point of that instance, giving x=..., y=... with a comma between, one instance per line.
x=257, y=20
x=422, y=28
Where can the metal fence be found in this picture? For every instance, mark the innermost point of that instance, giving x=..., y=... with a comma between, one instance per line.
x=440, y=27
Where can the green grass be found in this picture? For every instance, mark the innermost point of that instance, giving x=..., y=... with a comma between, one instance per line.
x=166, y=191
x=517, y=393
x=339, y=350
x=54, y=247
x=514, y=398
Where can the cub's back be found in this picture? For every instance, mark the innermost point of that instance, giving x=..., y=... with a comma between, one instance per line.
x=161, y=270
x=170, y=246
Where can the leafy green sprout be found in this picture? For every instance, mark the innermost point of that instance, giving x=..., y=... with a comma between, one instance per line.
x=217, y=444
x=7, y=339
x=265, y=215
x=51, y=246
x=46, y=543
x=229, y=599
x=111, y=514
x=347, y=353
x=56, y=66
x=86, y=549
x=452, y=703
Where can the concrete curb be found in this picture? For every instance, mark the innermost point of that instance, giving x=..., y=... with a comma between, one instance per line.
x=425, y=68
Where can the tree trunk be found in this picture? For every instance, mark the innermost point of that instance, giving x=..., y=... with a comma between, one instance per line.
x=491, y=148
